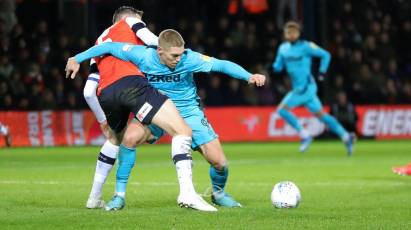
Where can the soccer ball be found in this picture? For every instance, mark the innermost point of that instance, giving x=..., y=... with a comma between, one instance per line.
x=285, y=194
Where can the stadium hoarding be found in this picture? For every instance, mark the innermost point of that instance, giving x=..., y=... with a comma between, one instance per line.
x=233, y=124
x=384, y=122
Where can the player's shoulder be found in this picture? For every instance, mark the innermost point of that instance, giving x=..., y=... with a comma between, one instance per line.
x=284, y=46
x=309, y=44
x=135, y=49
x=195, y=57
x=189, y=54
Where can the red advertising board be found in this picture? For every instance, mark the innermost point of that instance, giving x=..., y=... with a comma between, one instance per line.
x=233, y=124
x=385, y=122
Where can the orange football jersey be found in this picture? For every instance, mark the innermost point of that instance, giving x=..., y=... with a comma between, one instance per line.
x=113, y=69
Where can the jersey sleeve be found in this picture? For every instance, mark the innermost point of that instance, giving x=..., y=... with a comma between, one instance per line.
x=197, y=62
x=315, y=51
x=90, y=96
x=278, y=64
x=141, y=31
x=123, y=51
x=231, y=69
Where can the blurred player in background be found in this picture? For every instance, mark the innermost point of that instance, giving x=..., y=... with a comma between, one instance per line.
x=4, y=131
x=169, y=67
x=402, y=170
x=124, y=89
x=295, y=55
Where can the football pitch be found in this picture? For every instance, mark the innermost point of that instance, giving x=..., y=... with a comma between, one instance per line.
x=46, y=188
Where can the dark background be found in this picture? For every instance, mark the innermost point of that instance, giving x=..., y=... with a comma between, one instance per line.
x=369, y=41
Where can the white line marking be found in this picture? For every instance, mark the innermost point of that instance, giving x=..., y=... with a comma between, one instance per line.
x=248, y=184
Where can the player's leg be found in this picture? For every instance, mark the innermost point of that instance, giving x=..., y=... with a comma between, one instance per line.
x=206, y=141
x=292, y=100
x=150, y=106
x=169, y=119
x=315, y=106
x=127, y=157
x=402, y=170
x=126, y=160
x=105, y=162
x=134, y=135
x=113, y=100
x=4, y=131
x=214, y=154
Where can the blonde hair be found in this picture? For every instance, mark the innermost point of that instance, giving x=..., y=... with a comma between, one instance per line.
x=170, y=38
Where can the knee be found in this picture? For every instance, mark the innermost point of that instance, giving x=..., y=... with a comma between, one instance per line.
x=185, y=130
x=113, y=140
x=131, y=139
x=218, y=161
x=220, y=165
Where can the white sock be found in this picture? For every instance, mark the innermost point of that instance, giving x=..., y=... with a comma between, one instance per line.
x=304, y=134
x=181, y=154
x=105, y=162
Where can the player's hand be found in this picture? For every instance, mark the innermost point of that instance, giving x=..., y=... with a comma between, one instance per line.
x=257, y=79
x=72, y=68
x=105, y=129
x=108, y=132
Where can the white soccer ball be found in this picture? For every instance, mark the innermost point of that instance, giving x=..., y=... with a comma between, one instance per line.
x=285, y=194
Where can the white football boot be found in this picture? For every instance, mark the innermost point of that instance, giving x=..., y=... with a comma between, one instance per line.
x=194, y=201
x=95, y=203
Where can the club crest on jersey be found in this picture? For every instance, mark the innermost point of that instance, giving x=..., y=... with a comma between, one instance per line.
x=206, y=58
x=313, y=45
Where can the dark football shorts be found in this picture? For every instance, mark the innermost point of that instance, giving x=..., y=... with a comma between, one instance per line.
x=131, y=94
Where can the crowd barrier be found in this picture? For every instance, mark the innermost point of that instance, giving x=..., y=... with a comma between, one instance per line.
x=233, y=124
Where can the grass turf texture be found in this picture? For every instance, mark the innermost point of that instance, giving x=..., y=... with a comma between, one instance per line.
x=46, y=188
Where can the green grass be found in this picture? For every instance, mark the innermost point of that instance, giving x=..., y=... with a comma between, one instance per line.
x=46, y=188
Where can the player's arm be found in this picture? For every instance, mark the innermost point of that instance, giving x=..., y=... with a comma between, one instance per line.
x=324, y=55
x=89, y=92
x=203, y=63
x=123, y=51
x=278, y=64
x=141, y=31
x=236, y=71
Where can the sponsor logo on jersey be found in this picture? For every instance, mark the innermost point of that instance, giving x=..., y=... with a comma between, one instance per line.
x=163, y=78
x=294, y=58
